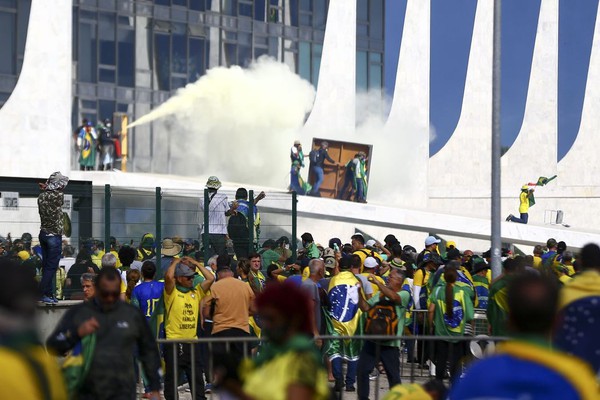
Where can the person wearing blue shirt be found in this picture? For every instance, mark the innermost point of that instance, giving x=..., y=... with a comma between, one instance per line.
x=146, y=294
x=527, y=367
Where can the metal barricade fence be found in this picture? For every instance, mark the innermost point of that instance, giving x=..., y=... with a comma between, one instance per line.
x=249, y=342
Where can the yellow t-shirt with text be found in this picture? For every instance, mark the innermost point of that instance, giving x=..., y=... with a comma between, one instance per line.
x=182, y=313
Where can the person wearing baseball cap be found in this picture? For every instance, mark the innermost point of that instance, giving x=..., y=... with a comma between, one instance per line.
x=182, y=300
x=431, y=246
x=359, y=249
x=371, y=268
x=525, y=200
x=218, y=211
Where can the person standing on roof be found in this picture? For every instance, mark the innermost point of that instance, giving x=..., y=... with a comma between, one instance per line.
x=317, y=160
x=296, y=153
x=524, y=204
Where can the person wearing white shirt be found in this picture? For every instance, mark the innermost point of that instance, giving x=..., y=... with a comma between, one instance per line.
x=218, y=211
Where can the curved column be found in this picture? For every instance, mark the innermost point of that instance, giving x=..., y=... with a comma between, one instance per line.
x=579, y=167
x=408, y=121
x=333, y=113
x=36, y=119
x=462, y=167
x=534, y=152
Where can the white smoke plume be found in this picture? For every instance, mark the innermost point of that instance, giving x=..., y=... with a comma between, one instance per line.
x=236, y=123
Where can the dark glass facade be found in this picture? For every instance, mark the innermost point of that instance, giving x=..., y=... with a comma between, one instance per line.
x=130, y=55
x=14, y=18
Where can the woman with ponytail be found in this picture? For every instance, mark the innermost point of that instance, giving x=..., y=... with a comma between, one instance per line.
x=450, y=309
x=133, y=278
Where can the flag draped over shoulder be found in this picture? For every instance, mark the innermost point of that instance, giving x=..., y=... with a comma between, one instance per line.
x=77, y=364
x=344, y=315
x=157, y=319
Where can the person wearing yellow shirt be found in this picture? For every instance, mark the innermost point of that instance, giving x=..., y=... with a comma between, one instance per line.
x=524, y=197
x=182, y=305
x=359, y=249
x=538, y=251
x=28, y=371
x=431, y=390
x=371, y=269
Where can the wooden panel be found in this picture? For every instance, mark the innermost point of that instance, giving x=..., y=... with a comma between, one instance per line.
x=340, y=152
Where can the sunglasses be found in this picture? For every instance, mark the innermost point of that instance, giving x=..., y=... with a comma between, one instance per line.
x=107, y=294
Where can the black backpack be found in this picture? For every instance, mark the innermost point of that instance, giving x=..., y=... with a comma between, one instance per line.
x=313, y=156
x=105, y=136
x=382, y=319
x=237, y=227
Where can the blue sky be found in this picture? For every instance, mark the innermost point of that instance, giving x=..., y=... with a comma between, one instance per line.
x=451, y=30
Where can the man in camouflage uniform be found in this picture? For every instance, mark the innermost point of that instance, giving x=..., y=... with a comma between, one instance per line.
x=50, y=203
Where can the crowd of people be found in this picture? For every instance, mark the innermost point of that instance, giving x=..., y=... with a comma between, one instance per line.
x=293, y=321
x=97, y=147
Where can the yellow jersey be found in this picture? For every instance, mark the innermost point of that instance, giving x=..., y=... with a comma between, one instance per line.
x=375, y=287
x=19, y=381
x=524, y=202
x=182, y=313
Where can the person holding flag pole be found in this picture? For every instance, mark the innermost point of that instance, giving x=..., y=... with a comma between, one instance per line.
x=527, y=200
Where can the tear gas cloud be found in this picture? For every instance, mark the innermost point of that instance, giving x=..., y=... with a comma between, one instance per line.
x=235, y=123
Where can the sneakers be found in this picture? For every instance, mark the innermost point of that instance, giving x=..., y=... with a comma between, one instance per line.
x=373, y=375
x=208, y=388
x=48, y=300
x=509, y=218
x=350, y=388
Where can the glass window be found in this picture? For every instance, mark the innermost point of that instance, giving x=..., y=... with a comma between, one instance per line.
x=87, y=52
x=124, y=108
x=178, y=82
x=106, y=108
x=196, y=60
x=259, y=10
x=245, y=8
x=316, y=63
x=229, y=7
x=106, y=75
x=197, y=5
x=304, y=65
x=375, y=76
x=320, y=14
x=179, y=54
x=259, y=51
x=274, y=47
x=362, y=30
x=293, y=13
x=244, y=55
x=361, y=71
x=106, y=32
x=230, y=54
x=8, y=3
x=162, y=60
x=362, y=10
x=23, y=23
x=375, y=57
x=126, y=49
x=306, y=5
x=376, y=19
x=162, y=2
x=305, y=19
x=182, y=3
x=89, y=104
x=7, y=44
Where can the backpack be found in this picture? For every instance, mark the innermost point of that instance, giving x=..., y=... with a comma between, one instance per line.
x=382, y=319
x=105, y=136
x=237, y=227
x=313, y=156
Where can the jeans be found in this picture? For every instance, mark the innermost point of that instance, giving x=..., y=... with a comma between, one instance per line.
x=523, y=220
x=235, y=350
x=51, y=251
x=360, y=191
x=318, y=171
x=389, y=357
x=336, y=366
x=184, y=363
x=348, y=184
x=448, y=352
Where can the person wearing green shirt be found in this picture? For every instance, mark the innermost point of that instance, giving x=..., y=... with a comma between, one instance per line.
x=450, y=309
x=269, y=255
x=386, y=352
x=497, y=311
x=310, y=248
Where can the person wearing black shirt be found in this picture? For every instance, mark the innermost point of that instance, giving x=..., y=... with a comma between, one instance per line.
x=317, y=159
x=83, y=264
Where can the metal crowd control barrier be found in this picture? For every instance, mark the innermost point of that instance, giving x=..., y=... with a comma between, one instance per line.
x=247, y=341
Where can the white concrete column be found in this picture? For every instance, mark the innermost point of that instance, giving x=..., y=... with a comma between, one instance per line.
x=462, y=168
x=580, y=167
x=408, y=122
x=334, y=106
x=36, y=119
x=534, y=152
